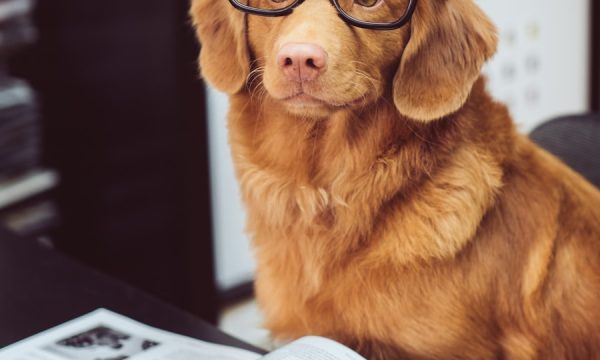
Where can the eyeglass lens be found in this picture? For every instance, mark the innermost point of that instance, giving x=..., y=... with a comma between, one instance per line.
x=373, y=11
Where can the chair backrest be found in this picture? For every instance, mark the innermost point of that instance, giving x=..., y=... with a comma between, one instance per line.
x=575, y=140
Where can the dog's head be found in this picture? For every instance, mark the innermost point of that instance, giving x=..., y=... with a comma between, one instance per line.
x=314, y=63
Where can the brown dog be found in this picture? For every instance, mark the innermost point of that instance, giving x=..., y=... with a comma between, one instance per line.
x=392, y=205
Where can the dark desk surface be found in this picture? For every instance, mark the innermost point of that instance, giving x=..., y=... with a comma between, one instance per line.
x=40, y=288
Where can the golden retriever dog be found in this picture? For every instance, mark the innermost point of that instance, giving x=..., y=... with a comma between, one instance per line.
x=391, y=203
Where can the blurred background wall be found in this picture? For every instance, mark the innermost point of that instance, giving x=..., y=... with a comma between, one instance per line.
x=122, y=112
x=134, y=174
x=542, y=67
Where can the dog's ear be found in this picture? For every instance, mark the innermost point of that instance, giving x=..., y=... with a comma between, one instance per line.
x=224, y=59
x=450, y=41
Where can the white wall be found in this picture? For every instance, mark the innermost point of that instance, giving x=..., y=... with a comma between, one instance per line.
x=541, y=70
x=542, y=67
x=233, y=257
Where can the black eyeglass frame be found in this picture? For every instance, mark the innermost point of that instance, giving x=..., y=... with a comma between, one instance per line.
x=412, y=4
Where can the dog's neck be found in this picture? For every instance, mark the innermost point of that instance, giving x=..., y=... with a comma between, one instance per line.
x=334, y=177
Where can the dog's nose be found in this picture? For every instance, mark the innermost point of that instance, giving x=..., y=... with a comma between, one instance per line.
x=302, y=61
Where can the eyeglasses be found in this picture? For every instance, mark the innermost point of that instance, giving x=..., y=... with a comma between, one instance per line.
x=368, y=14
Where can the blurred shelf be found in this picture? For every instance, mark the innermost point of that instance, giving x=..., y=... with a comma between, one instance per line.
x=14, y=93
x=14, y=8
x=18, y=189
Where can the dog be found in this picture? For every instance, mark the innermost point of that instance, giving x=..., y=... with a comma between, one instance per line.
x=392, y=205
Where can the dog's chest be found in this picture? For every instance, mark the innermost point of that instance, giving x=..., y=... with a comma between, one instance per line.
x=370, y=307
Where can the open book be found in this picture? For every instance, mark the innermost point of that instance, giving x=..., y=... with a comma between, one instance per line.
x=105, y=335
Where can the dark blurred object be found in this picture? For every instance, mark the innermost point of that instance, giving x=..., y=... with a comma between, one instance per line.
x=19, y=120
x=42, y=289
x=26, y=204
x=19, y=129
x=595, y=56
x=16, y=27
x=576, y=141
x=123, y=114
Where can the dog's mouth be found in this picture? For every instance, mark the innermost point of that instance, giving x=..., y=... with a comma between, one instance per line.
x=317, y=98
x=302, y=99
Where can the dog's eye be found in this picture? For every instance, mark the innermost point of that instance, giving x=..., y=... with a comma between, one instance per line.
x=367, y=3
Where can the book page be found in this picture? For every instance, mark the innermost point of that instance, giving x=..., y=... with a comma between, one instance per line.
x=104, y=335
x=314, y=348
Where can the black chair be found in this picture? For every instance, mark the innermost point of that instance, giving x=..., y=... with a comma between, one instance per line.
x=575, y=140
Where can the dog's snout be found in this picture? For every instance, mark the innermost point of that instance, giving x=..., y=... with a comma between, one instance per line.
x=302, y=61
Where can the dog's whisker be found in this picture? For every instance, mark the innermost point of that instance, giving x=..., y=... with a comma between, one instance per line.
x=258, y=93
x=255, y=79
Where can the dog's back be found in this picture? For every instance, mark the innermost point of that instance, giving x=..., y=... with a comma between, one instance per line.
x=560, y=257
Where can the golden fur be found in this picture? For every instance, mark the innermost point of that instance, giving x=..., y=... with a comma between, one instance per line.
x=402, y=214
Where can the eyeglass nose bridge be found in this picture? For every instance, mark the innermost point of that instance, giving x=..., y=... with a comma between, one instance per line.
x=341, y=13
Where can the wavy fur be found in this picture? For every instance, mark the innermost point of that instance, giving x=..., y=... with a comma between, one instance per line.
x=416, y=223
